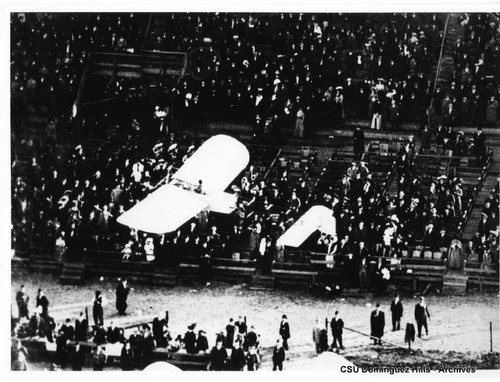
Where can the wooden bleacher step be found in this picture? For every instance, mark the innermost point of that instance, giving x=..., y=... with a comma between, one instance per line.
x=46, y=265
x=72, y=273
x=262, y=282
x=18, y=264
x=165, y=278
x=454, y=284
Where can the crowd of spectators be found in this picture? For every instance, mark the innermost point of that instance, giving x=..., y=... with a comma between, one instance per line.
x=237, y=346
x=285, y=70
x=483, y=247
x=281, y=67
x=472, y=96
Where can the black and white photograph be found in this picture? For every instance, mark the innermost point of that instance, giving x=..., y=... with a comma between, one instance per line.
x=226, y=190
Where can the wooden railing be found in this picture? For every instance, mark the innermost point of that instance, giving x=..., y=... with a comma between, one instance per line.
x=440, y=64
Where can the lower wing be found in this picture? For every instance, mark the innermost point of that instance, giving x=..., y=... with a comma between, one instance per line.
x=163, y=211
x=316, y=218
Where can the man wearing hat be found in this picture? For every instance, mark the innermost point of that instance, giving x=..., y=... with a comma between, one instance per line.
x=22, y=303
x=190, y=339
x=284, y=331
x=279, y=356
x=421, y=315
x=377, y=324
x=202, y=342
x=43, y=302
x=122, y=291
x=337, y=325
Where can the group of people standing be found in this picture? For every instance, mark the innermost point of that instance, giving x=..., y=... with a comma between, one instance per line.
x=377, y=319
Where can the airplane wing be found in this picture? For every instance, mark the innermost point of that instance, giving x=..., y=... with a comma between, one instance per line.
x=316, y=218
x=216, y=163
x=164, y=210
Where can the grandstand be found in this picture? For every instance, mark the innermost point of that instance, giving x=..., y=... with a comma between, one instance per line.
x=129, y=104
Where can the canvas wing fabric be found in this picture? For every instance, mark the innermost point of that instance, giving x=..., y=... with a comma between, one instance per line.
x=164, y=210
x=216, y=163
x=316, y=218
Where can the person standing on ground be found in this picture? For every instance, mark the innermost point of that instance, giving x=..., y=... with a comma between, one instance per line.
x=230, y=330
x=97, y=310
x=279, y=356
x=190, y=340
x=22, y=303
x=316, y=336
x=41, y=300
x=377, y=323
x=421, y=315
x=337, y=325
x=397, y=313
x=358, y=142
x=122, y=291
x=284, y=331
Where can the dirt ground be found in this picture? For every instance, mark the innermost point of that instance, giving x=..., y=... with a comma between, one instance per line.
x=460, y=325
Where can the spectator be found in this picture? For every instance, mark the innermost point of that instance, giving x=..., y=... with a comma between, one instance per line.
x=127, y=356
x=278, y=356
x=99, y=358
x=77, y=357
x=377, y=324
x=43, y=302
x=218, y=357
x=122, y=291
x=397, y=313
x=97, y=309
x=22, y=300
x=284, y=331
x=337, y=326
x=421, y=315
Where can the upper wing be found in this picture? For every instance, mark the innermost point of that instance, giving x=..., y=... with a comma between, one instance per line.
x=164, y=210
x=216, y=163
x=316, y=218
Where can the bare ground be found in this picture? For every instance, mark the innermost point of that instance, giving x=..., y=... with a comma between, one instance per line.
x=458, y=329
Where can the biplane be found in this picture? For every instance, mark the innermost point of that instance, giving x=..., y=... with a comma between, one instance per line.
x=197, y=185
x=316, y=218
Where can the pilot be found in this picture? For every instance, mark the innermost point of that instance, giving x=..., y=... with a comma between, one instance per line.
x=199, y=188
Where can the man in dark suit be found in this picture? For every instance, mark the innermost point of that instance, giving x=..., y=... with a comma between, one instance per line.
x=230, y=329
x=377, y=324
x=77, y=357
x=337, y=325
x=421, y=315
x=22, y=303
x=242, y=328
x=122, y=291
x=284, y=331
x=41, y=300
x=99, y=335
x=218, y=357
x=68, y=329
x=190, y=340
x=278, y=356
x=252, y=338
x=479, y=143
x=397, y=313
x=358, y=142
x=81, y=328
